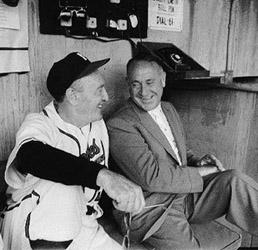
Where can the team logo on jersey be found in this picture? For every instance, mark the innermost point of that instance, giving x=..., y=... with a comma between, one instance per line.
x=94, y=150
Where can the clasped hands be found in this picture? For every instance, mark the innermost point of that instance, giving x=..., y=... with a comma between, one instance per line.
x=209, y=164
x=126, y=195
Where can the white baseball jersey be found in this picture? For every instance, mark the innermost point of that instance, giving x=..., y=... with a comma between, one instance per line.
x=1, y=243
x=42, y=209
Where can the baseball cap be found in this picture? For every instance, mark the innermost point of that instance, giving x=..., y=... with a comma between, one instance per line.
x=64, y=72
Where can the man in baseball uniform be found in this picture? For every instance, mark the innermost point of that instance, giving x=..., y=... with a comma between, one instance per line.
x=58, y=167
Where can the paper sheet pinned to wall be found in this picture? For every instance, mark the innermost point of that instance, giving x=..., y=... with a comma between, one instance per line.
x=9, y=17
x=14, y=61
x=14, y=38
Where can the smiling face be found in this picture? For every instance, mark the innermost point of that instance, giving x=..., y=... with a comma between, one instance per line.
x=91, y=95
x=146, y=82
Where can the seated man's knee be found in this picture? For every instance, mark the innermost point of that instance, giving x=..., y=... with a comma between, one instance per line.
x=233, y=175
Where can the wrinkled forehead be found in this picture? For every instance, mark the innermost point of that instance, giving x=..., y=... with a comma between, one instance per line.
x=139, y=66
x=136, y=65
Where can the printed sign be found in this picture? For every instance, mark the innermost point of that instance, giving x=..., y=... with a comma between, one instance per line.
x=165, y=15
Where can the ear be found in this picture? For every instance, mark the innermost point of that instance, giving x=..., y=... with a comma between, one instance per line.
x=127, y=86
x=163, y=78
x=71, y=96
x=127, y=80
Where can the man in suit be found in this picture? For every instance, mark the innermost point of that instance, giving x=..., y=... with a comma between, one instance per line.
x=147, y=142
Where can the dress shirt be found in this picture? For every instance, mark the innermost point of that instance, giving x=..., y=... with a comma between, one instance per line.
x=159, y=117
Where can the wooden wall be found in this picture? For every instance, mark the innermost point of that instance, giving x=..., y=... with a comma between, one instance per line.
x=219, y=34
x=24, y=93
x=206, y=36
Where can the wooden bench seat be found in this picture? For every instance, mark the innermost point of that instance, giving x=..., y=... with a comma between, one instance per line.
x=212, y=236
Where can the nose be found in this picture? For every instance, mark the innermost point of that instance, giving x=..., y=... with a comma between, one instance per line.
x=105, y=95
x=144, y=90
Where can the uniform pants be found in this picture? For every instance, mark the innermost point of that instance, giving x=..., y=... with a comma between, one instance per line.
x=54, y=216
x=228, y=193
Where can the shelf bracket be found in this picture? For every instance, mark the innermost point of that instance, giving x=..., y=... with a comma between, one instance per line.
x=227, y=78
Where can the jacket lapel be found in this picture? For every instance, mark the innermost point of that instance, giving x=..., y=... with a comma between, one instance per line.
x=153, y=128
x=176, y=129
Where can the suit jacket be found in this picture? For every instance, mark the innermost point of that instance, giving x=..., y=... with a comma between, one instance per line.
x=144, y=154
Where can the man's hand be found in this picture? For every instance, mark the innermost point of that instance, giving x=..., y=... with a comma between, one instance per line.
x=209, y=164
x=210, y=161
x=126, y=195
x=203, y=171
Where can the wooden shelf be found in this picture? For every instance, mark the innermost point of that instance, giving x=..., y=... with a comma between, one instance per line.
x=181, y=66
x=248, y=84
x=189, y=75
